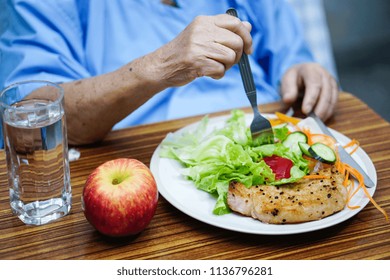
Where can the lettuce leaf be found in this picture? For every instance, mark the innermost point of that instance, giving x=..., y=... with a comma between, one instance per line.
x=212, y=160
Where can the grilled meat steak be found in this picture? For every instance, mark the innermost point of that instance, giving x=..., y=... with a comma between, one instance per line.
x=303, y=201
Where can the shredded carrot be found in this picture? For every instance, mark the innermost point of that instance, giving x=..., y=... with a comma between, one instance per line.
x=308, y=134
x=339, y=165
x=354, y=150
x=318, y=137
x=352, y=143
x=288, y=119
x=375, y=204
x=359, y=177
x=312, y=162
x=353, y=207
x=325, y=139
x=346, y=179
x=351, y=193
x=275, y=122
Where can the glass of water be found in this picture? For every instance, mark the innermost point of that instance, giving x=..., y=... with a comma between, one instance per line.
x=35, y=142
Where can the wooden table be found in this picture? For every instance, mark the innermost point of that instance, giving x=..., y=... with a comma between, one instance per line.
x=174, y=235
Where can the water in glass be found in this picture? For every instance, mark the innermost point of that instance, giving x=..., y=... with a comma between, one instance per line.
x=37, y=160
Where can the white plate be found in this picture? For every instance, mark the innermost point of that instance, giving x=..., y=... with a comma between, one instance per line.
x=183, y=194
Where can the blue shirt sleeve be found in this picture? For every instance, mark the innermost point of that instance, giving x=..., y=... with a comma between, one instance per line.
x=41, y=40
x=38, y=44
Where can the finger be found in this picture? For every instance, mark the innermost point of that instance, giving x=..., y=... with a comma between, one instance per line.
x=230, y=40
x=211, y=68
x=237, y=26
x=223, y=54
x=324, y=106
x=247, y=25
x=289, y=86
x=312, y=93
x=335, y=96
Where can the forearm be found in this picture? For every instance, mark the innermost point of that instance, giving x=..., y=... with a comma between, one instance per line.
x=94, y=105
x=207, y=47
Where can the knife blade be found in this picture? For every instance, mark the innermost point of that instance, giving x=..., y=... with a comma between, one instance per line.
x=344, y=155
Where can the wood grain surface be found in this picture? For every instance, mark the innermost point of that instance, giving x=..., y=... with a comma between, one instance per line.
x=174, y=235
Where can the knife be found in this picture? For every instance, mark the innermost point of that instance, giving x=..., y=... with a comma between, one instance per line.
x=344, y=155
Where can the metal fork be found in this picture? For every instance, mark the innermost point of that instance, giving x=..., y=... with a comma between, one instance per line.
x=260, y=127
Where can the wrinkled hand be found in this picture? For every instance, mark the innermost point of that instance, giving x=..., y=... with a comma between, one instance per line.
x=208, y=46
x=319, y=87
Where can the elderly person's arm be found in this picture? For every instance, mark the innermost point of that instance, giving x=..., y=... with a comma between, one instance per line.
x=207, y=47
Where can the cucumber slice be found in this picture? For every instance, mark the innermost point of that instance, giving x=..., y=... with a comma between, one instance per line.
x=293, y=139
x=305, y=148
x=322, y=153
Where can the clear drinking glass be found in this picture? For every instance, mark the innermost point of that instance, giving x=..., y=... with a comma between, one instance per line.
x=35, y=142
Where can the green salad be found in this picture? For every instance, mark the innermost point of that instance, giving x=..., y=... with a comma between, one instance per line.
x=213, y=159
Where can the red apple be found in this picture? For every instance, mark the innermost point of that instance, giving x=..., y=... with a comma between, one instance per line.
x=120, y=197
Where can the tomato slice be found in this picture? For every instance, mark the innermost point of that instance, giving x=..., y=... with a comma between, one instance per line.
x=280, y=166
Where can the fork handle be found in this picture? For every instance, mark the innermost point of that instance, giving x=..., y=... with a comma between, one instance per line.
x=246, y=73
x=252, y=96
